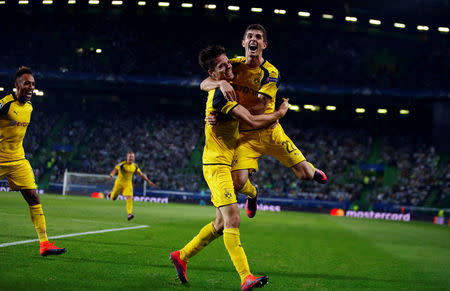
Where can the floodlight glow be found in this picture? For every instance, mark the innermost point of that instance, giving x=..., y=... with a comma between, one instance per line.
x=351, y=19
x=99, y=51
x=327, y=16
x=142, y=3
x=233, y=8
x=422, y=27
x=117, y=2
x=330, y=108
x=374, y=21
x=304, y=14
x=2, y=2
x=14, y=89
x=47, y=2
x=308, y=106
x=94, y=2
x=72, y=2
x=279, y=11
x=2, y=89
x=256, y=9
x=382, y=111
x=294, y=107
x=38, y=92
x=404, y=111
x=163, y=4
x=23, y=2
x=186, y=5
x=399, y=25
x=210, y=6
x=360, y=110
x=443, y=29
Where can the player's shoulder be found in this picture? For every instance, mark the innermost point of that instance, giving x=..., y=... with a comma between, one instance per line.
x=7, y=99
x=237, y=60
x=269, y=66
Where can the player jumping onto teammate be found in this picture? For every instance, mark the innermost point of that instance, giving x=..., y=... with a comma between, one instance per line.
x=255, y=86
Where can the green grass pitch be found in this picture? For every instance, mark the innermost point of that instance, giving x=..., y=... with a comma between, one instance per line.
x=298, y=251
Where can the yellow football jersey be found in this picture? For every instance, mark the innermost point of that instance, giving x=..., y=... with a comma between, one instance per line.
x=249, y=82
x=14, y=121
x=126, y=172
x=221, y=139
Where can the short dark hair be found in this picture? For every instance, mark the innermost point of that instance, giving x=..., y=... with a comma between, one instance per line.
x=22, y=71
x=207, y=56
x=130, y=152
x=256, y=26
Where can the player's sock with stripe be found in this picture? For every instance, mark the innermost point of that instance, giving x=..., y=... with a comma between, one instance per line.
x=129, y=206
x=38, y=219
x=248, y=189
x=232, y=241
x=206, y=235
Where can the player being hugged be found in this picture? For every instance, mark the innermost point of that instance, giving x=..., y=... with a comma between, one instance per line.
x=124, y=181
x=15, y=115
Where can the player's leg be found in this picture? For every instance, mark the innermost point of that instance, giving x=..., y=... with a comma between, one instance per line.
x=306, y=171
x=21, y=178
x=118, y=189
x=284, y=150
x=232, y=241
x=246, y=160
x=128, y=194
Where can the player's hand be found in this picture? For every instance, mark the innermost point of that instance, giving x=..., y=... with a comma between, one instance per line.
x=228, y=91
x=110, y=177
x=212, y=118
x=284, y=107
x=152, y=184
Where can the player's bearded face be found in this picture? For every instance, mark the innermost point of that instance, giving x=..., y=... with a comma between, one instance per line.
x=223, y=69
x=254, y=43
x=25, y=87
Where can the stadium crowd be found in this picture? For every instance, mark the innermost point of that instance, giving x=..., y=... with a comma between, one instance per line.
x=165, y=145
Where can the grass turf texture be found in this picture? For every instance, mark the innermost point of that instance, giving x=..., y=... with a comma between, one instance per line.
x=298, y=251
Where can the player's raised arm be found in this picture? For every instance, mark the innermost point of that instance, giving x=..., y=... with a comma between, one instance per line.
x=113, y=173
x=262, y=120
x=228, y=91
x=143, y=176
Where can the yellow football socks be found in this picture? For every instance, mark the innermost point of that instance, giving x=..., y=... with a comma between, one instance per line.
x=248, y=189
x=206, y=235
x=130, y=206
x=232, y=241
x=38, y=218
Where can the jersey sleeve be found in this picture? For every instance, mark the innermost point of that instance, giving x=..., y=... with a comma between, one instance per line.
x=137, y=171
x=270, y=82
x=117, y=167
x=221, y=103
x=4, y=105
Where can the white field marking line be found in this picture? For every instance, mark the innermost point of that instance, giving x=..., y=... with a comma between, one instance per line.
x=72, y=234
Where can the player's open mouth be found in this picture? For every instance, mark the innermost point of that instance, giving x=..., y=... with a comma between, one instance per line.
x=252, y=47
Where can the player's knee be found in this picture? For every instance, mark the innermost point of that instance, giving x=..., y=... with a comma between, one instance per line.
x=233, y=221
x=218, y=226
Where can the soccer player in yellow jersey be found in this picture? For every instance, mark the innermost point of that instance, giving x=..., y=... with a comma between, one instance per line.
x=15, y=114
x=220, y=143
x=256, y=84
x=124, y=182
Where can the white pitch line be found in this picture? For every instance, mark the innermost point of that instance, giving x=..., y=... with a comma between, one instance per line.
x=72, y=234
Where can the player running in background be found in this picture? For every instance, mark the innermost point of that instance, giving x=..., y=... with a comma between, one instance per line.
x=124, y=182
x=220, y=143
x=255, y=86
x=15, y=115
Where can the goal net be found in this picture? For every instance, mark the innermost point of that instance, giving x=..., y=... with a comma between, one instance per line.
x=86, y=184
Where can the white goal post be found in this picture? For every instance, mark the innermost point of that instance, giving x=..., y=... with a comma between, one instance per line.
x=85, y=184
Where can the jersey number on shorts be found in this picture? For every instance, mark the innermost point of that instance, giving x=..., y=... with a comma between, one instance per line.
x=289, y=146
